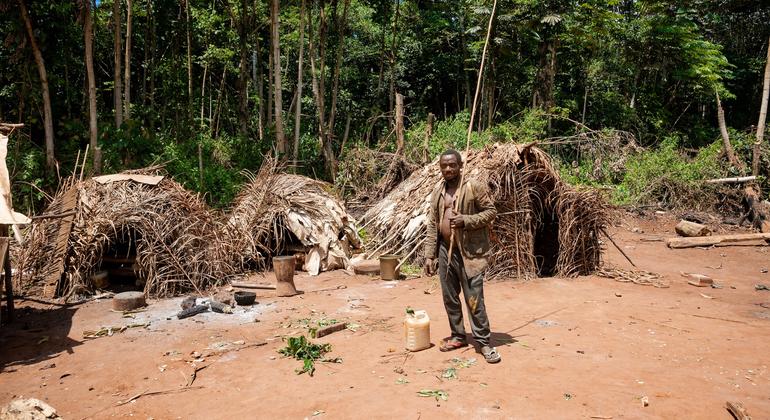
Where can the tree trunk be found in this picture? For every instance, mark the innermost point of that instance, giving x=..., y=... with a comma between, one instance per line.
x=726, y=138
x=337, y=65
x=762, y=115
x=399, y=124
x=243, y=76
x=203, y=92
x=50, y=159
x=260, y=93
x=544, y=81
x=300, y=60
x=345, y=134
x=269, y=111
x=153, y=44
x=466, y=78
x=426, y=141
x=218, y=111
x=585, y=102
x=392, y=92
x=92, y=128
x=280, y=138
x=189, y=56
x=118, y=48
x=319, y=91
x=127, y=62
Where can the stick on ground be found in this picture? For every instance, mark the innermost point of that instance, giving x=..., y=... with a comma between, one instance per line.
x=616, y=246
x=331, y=329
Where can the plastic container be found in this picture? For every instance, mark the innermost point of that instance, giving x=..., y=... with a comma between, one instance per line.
x=417, y=331
x=388, y=265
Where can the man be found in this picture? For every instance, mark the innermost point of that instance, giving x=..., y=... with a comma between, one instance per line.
x=465, y=270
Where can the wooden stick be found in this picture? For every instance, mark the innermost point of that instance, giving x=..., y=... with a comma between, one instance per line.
x=83, y=165
x=403, y=260
x=677, y=243
x=53, y=216
x=731, y=180
x=253, y=285
x=616, y=246
x=331, y=329
x=146, y=393
x=720, y=319
x=737, y=410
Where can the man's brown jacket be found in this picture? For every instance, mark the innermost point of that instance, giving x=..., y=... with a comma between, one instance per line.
x=478, y=212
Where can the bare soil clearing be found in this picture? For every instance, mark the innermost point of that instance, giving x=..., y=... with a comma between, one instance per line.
x=571, y=348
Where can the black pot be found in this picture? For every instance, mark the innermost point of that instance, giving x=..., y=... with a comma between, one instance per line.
x=245, y=298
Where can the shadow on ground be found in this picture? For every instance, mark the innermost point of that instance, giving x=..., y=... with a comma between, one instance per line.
x=36, y=334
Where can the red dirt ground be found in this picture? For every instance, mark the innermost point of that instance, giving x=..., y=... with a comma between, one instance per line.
x=571, y=348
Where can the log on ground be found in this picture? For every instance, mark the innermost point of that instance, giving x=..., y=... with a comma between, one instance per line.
x=714, y=240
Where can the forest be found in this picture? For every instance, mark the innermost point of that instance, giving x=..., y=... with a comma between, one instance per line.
x=626, y=95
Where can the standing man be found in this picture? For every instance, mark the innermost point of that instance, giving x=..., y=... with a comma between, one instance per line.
x=465, y=270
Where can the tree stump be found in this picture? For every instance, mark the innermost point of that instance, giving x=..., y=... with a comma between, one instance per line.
x=128, y=301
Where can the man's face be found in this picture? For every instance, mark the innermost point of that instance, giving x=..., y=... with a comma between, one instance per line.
x=450, y=167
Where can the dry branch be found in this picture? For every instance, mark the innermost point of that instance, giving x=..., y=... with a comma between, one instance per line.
x=731, y=180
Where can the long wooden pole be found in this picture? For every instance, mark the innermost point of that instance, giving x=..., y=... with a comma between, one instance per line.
x=470, y=124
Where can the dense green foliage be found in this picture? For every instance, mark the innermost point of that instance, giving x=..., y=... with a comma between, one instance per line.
x=647, y=67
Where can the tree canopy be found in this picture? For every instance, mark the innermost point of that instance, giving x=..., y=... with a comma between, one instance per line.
x=198, y=81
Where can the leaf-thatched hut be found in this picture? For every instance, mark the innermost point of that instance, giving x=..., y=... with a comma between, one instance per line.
x=142, y=229
x=544, y=226
x=278, y=213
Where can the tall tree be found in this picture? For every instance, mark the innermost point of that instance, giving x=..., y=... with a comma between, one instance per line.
x=300, y=60
x=729, y=151
x=88, y=35
x=762, y=115
x=336, y=78
x=127, y=61
x=280, y=138
x=118, y=51
x=50, y=160
x=319, y=89
x=244, y=22
x=189, y=54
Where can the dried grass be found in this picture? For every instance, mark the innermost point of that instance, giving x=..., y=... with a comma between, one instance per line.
x=367, y=176
x=170, y=227
x=528, y=194
x=276, y=213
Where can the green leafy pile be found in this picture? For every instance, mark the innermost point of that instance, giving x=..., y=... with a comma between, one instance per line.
x=302, y=349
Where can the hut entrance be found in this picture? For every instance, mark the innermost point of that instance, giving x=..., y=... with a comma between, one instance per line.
x=546, y=227
x=546, y=245
x=119, y=271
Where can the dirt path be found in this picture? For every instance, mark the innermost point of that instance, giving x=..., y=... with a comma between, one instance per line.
x=572, y=348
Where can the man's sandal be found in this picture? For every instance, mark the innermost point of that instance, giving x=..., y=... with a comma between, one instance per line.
x=452, y=343
x=490, y=354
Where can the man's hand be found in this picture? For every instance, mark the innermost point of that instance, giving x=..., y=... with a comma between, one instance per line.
x=457, y=222
x=427, y=268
